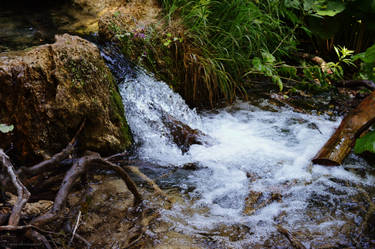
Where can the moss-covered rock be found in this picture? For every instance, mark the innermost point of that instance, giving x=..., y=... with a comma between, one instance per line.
x=48, y=91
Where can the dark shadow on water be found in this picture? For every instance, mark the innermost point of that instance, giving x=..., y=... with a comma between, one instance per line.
x=29, y=23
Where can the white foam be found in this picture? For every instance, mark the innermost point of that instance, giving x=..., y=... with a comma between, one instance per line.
x=274, y=148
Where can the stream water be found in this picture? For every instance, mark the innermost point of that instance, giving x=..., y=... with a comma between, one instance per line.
x=253, y=175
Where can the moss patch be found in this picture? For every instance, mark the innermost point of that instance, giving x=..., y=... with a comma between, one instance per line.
x=117, y=114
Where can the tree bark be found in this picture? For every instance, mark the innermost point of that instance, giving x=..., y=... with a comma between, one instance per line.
x=341, y=142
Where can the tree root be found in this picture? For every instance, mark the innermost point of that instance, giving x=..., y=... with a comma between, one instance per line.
x=78, y=170
x=22, y=192
x=150, y=182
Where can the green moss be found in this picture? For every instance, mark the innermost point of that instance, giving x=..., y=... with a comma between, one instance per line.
x=117, y=113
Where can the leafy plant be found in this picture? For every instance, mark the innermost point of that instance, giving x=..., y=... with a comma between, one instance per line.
x=344, y=57
x=226, y=35
x=367, y=71
x=266, y=65
x=365, y=143
x=6, y=128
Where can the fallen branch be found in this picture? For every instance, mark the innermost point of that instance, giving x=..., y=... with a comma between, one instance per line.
x=38, y=238
x=78, y=168
x=54, y=169
x=341, y=142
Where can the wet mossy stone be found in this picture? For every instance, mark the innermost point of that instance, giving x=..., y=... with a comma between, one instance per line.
x=46, y=92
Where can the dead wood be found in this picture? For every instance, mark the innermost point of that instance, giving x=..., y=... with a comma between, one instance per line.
x=38, y=238
x=341, y=142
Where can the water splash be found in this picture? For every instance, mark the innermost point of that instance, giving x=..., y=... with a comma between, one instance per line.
x=256, y=175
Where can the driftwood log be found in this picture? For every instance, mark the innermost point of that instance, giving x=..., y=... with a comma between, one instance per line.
x=352, y=126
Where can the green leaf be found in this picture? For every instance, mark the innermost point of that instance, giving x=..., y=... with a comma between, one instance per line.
x=365, y=143
x=287, y=71
x=292, y=4
x=278, y=81
x=6, y=128
x=257, y=63
x=368, y=56
x=333, y=8
x=268, y=57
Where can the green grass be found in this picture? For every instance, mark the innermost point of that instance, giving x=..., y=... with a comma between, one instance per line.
x=228, y=34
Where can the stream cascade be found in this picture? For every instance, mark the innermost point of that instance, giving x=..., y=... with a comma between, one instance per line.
x=253, y=176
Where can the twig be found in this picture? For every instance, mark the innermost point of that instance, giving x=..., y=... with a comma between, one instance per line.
x=75, y=227
x=112, y=157
x=78, y=168
x=22, y=192
x=37, y=237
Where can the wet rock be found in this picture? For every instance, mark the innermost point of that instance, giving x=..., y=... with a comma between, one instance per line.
x=251, y=202
x=46, y=92
x=183, y=135
x=31, y=209
x=106, y=217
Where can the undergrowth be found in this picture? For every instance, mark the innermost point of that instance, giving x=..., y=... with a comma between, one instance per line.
x=229, y=34
x=210, y=50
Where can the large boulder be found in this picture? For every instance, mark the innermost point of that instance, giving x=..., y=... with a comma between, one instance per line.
x=47, y=91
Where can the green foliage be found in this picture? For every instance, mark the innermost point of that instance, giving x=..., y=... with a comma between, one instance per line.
x=6, y=128
x=343, y=55
x=266, y=65
x=230, y=33
x=324, y=7
x=368, y=63
x=365, y=143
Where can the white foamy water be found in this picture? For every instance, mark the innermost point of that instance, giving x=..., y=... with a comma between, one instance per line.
x=260, y=151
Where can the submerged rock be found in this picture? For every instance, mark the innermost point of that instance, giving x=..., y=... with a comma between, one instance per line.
x=183, y=135
x=46, y=92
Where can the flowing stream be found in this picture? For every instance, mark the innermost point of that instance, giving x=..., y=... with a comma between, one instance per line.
x=253, y=175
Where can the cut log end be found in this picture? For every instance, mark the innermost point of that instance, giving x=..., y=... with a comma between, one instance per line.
x=325, y=162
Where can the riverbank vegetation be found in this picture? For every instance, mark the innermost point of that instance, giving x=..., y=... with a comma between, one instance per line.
x=215, y=50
